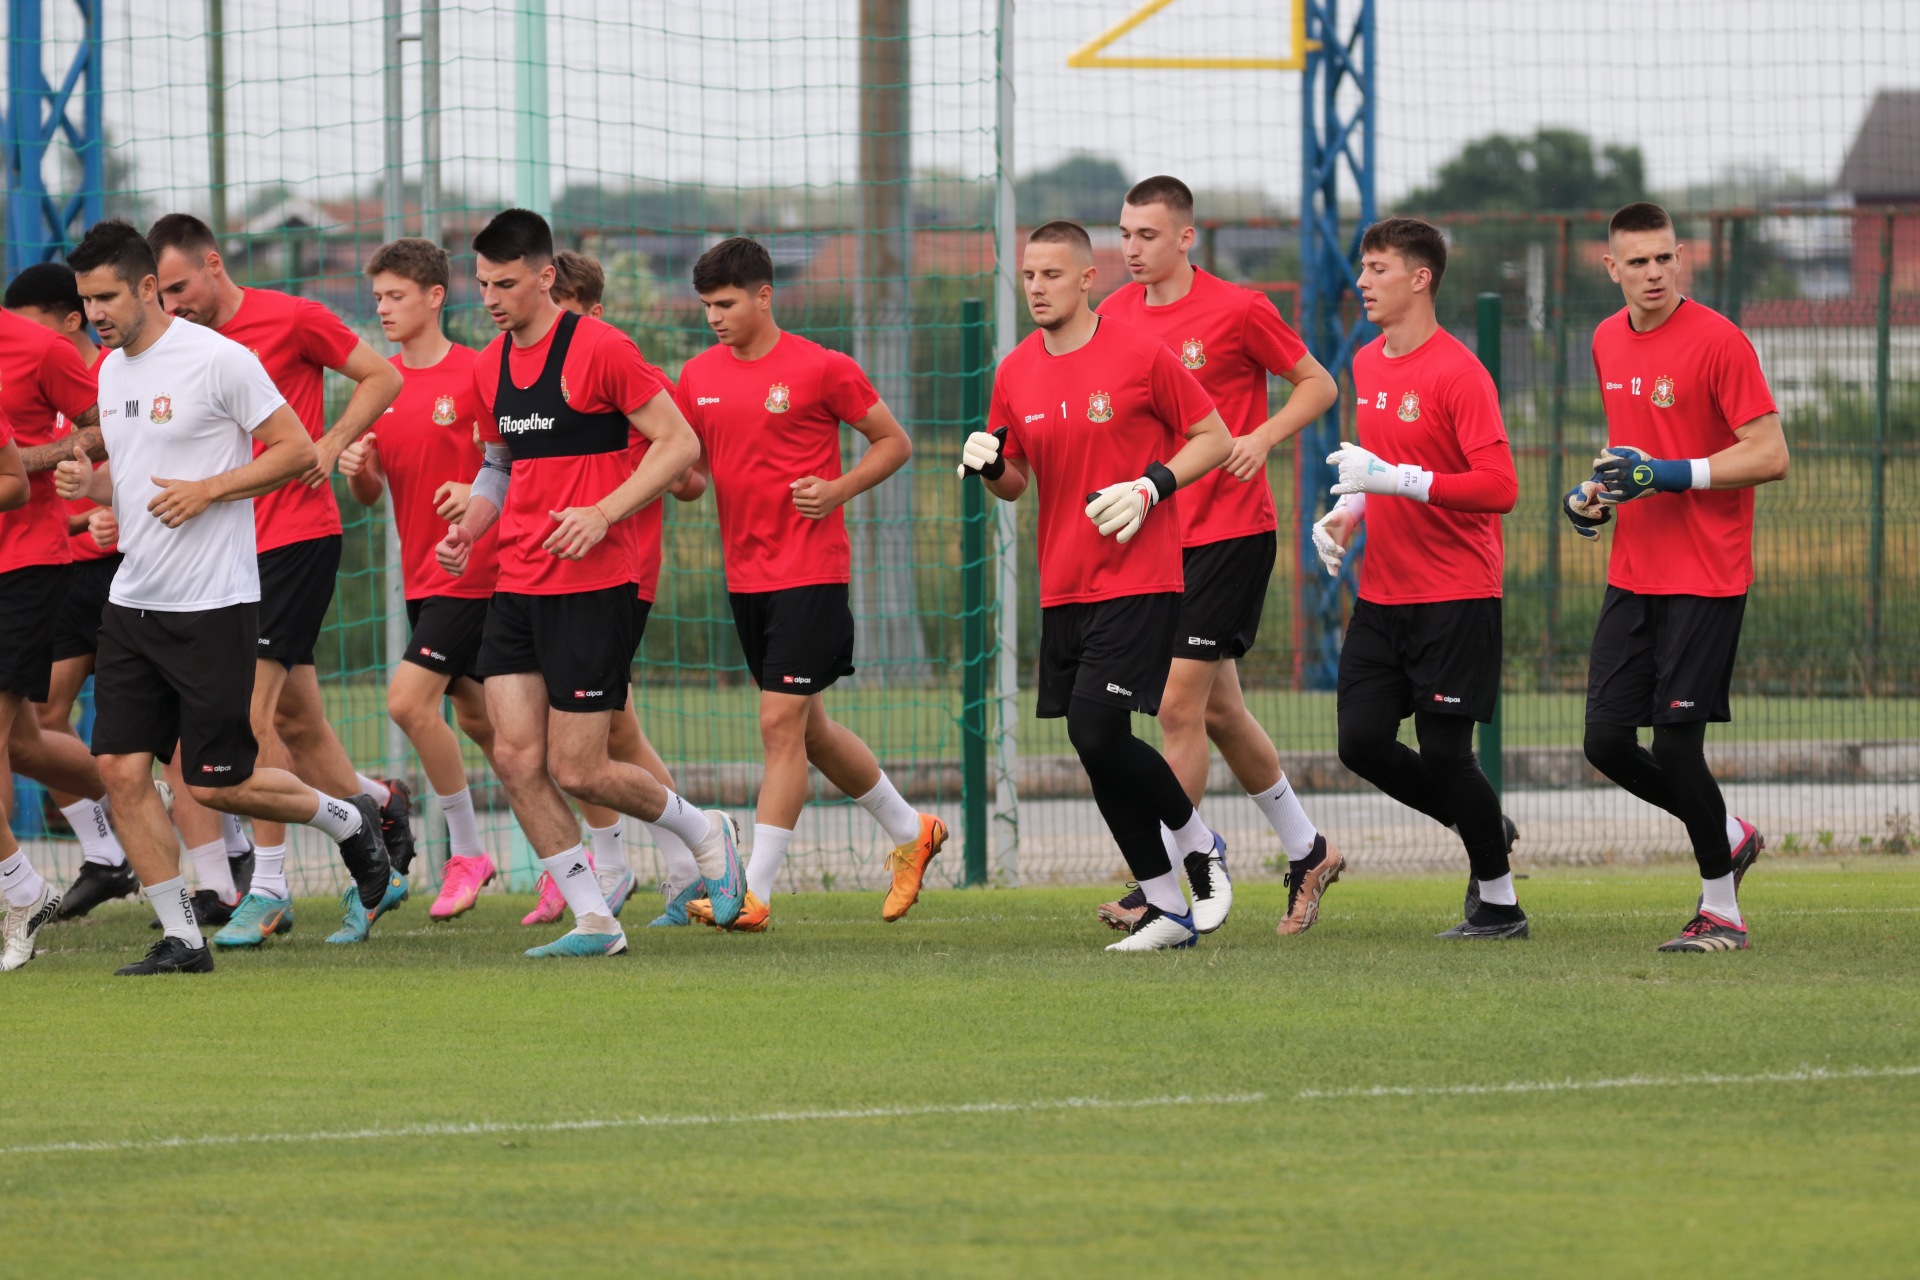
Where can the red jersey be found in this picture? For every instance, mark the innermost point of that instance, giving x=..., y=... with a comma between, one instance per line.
x=1435, y=407
x=766, y=423
x=1678, y=391
x=1094, y=417
x=645, y=528
x=1230, y=338
x=81, y=543
x=558, y=464
x=43, y=380
x=297, y=340
x=424, y=439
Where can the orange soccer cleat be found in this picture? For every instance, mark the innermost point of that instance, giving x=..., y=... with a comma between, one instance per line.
x=909, y=865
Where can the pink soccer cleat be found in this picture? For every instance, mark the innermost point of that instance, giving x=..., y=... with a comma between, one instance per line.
x=551, y=905
x=463, y=878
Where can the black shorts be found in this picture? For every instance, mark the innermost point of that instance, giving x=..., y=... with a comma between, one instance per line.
x=581, y=643
x=162, y=678
x=1113, y=651
x=642, y=610
x=797, y=640
x=296, y=586
x=446, y=635
x=1226, y=590
x=1442, y=657
x=1663, y=659
x=30, y=605
x=78, y=632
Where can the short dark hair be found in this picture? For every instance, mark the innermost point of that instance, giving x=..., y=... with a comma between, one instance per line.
x=515, y=234
x=45, y=286
x=1161, y=189
x=1639, y=216
x=181, y=231
x=578, y=277
x=411, y=258
x=1060, y=231
x=1414, y=239
x=735, y=263
x=115, y=243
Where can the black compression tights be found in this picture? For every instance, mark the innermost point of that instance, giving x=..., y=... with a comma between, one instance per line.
x=1673, y=776
x=1133, y=784
x=1441, y=780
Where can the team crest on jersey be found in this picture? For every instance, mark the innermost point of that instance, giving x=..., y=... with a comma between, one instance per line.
x=1193, y=353
x=1099, y=407
x=1410, y=407
x=779, y=399
x=162, y=410
x=566, y=392
x=443, y=412
x=1663, y=392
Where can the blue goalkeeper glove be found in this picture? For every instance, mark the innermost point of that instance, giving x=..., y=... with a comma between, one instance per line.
x=1626, y=473
x=1586, y=510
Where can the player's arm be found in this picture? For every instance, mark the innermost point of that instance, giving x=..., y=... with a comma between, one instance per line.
x=693, y=482
x=1120, y=509
x=285, y=452
x=888, y=449
x=1757, y=456
x=360, y=464
x=13, y=478
x=376, y=385
x=45, y=457
x=486, y=499
x=1489, y=484
x=672, y=448
x=1314, y=392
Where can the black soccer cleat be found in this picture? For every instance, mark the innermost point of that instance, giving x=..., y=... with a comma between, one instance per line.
x=208, y=911
x=97, y=883
x=365, y=855
x=395, y=829
x=1472, y=902
x=1489, y=922
x=170, y=955
x=241, y=867
x=1709, y=933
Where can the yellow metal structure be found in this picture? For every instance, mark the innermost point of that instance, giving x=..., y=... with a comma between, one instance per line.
x=1093, y=53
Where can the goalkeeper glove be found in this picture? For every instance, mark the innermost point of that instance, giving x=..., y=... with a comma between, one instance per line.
x=981, y=455
x=1120, y=509
x=1625, y=473
x=1586, y=511
x=1362, y=472
x=1332, y=554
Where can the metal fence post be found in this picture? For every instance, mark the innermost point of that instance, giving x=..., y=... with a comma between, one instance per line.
x=1877, y=508
x=1487, y=340
x=973, y=607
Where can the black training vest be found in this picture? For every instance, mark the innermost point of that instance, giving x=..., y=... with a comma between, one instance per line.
x=538, y=422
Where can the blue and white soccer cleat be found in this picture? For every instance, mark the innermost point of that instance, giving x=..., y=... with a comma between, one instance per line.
x=1158, y=931
x=675, y=912
x=591, y=936
x=728, y=893
x=1212, y=887
x=617, y=887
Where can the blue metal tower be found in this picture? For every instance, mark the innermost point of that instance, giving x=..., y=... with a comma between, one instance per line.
x=41, y=226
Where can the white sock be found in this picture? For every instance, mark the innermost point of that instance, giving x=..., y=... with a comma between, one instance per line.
x=682, y=870
x=1172, y=846
x=213, y=871
x=1195, y=837
x=1164, y=892
x=233, y=833
x=336, y=818
x=270, y=871
x=573, y=876
x=379, y=790
x=685, y=821
x=88, y=818
x=463, y=829
x=175, y=909
x=769, y=851
x=1735, y=833
x=1716, y=896
x=900, y=820
x=609, y=853
x=1288, y=820
x=19, y=882
x=1499, y=892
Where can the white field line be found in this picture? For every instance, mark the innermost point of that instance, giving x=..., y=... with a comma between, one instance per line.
x=1803, y=1075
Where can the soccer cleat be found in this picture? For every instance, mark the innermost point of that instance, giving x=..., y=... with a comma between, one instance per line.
x=1158, y=931
x=1707, y=932
x=675, y=912
x=97, y=883
x=170, y=955
x=357, y=924
x=462, y=880
x=209, y=912
x=256, y=919
x=754, y=915
x=22, y=926
x=549, y=905
x=1471, y=903
x=1489, y=922
x=909, y=865
x=594, y=935
x=1126, y=912
x=365, y=854
x=395, y=829
x=1212, y=887
x=727, y=895
x=240, y=867
x=616, y=887
x=1307, y=882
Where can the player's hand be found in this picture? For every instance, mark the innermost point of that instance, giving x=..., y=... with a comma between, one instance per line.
x=815, y=498
x=104, y=526
x=449, y=500
x=1332, y=534
x=452, y=551
x=1362, y=472
x=72, y=476
x=579, y=530
x=179, y=500
x=1584, y=506
x=1248, y=457
x=981, y=455
x=1120, y=509
x=354, y=460
x=326, y=452
x=1626, y=472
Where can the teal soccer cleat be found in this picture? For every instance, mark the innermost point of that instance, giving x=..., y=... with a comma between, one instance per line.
x=256, y=919
x=593, y=936
x=675, y=912
x=357, y=924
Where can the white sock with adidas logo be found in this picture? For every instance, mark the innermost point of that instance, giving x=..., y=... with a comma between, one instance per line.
x=573, y=876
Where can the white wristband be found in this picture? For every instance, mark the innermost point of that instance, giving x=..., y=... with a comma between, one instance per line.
x=1702, y=474
x=1411, y=481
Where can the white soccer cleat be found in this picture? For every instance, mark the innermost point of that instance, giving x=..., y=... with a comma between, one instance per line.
x=1158, y=931
x=1212, y=887
x=22, y=927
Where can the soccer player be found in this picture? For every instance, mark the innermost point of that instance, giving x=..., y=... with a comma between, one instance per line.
x=1230, y=338
x=1693, y=431
x=184, y=410
x=29, y=901
x=563, y=400
x=1082, y=400
x=767, y=406
x=1431, y=476
x=297, y=529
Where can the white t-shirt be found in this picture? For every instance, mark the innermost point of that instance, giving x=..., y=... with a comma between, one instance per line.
x=183, y=409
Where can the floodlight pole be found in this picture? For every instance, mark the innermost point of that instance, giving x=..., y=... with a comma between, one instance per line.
x=39, y=227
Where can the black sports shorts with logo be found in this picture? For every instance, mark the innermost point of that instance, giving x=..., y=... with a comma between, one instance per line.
x=30, y=603
x=1663, y=659
x=296, y=586
x=78, y=634
x=162, y=678
x=1226, y=590
x=1442, y=657
x=446, y=634
x=1116, y=652
x=581, y=643
x=796, y=639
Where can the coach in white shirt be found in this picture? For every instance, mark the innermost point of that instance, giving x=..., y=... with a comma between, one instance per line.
x=177, y=637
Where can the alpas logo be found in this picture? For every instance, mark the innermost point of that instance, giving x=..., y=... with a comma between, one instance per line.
x=511, y=425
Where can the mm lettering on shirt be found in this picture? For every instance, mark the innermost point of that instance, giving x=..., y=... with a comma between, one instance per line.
x=424, y=441
x=1679, y=391
x=1082, y=421
x=43, y=382
x=1434, y=407
x=1230, y=338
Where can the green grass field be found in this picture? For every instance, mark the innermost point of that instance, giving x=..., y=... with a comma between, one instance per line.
x=981, y=1090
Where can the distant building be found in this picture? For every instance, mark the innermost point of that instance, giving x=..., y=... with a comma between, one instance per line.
x=1883, y=168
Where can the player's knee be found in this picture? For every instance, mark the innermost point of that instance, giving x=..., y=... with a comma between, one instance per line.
x=518, y=762
x=1097, y=731
x=1680, y=747
x=216, y=798
x=411, y=713
x=574, y=776
x=475, y=725
x=784, y=728
x=1607, y=746
x=1363, y=748
x=124, y=775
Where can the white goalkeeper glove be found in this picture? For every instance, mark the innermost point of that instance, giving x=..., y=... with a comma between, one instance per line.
x=1349, y=512
x=980, y=455
x=1120, y=509
x=1362, y=472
